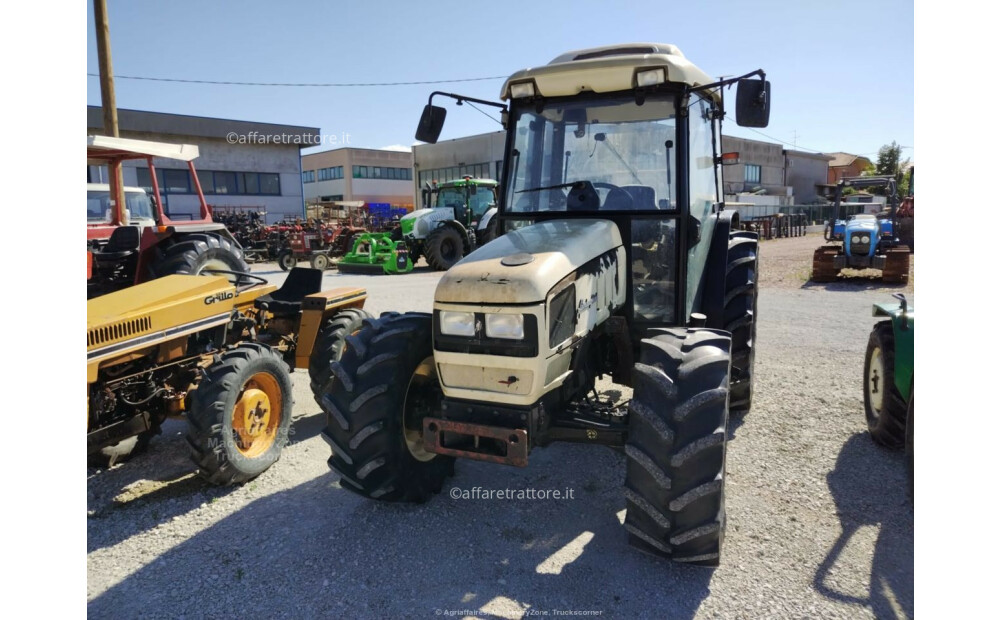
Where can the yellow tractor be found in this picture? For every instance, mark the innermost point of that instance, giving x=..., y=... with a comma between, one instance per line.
x=216, y=350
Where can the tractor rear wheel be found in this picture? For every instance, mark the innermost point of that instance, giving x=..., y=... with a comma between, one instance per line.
x=740, y=316
x=909, y=443
x=286, y=260
x=897, y=266
x=443, y=248
x=240, y=414
x=676, y=450
x=329, y=346
x=379, y=393
x=192, y=253
x=885, y=408
x=823, y=269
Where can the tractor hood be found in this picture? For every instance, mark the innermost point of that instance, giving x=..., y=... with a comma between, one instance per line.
x=422, y=221
x=537, y=257
x=866, y=225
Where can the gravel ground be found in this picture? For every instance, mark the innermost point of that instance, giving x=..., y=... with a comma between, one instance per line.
x=819, y=524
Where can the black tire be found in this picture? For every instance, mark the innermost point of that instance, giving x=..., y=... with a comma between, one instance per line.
x=740, y=316
x=489, y=233
x=330, y=345
x=396, y=234
x=676, y=448
x=909, y=445
x=286, y=260
x=443, y=248
x=886, y=420
x=215, y=443
x=190, y=253
x=365, y=401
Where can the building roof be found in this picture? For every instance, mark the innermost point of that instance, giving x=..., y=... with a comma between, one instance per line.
x=821, y=156
x=202, y=126
x=845, y=159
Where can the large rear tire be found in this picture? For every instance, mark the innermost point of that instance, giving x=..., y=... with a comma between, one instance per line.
x=192, y=253
x=740, y=315
x=676, y=448
x=379, y=392
x=909, y=445
x=443, y=248
x=885, y=408
x=239, y=415
x=329, y=346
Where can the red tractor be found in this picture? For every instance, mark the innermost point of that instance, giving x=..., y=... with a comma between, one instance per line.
x=135, y=241
x=317, y=243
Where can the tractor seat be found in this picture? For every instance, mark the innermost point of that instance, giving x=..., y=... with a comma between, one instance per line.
x=301, y=281
x=122, y=243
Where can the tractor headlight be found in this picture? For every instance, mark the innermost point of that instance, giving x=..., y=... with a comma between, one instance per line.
x=865, y=239
x=507, y=326
x=458, y=323
x=855, y=239
x=650, y=77
x=519, y=90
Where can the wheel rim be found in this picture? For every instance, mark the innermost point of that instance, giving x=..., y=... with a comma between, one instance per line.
x=875, y=381
x=257, y=415
x=421, y=394
x=288, y=261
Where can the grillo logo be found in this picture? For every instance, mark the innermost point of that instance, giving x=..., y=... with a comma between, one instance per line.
x=220, y=296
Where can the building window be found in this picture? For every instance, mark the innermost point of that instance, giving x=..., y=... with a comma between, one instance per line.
x=751, y=173
x=247, y=183
x=205, y=180
x=309, y=176
x=225, y=183
x=270, y=184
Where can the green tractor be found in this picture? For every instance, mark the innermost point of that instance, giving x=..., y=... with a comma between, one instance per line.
x=458, y=217
x=617, y=258
x=888, y=390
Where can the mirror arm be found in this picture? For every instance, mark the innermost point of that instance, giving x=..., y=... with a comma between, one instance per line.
x=728, y=82
x=461, y=98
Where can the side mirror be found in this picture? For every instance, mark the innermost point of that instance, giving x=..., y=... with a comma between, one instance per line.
x=431, y=122
x=753, y=103
x=729, y=159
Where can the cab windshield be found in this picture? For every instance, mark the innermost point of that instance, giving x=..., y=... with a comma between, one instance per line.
x=99, y=205
x=609, y=154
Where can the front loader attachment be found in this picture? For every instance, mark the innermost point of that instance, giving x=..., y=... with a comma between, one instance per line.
x=376, y=254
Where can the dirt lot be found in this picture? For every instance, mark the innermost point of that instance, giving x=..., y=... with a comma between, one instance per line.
x=819, y=524
x=787, y=263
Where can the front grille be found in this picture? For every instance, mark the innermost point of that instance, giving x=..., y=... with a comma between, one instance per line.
x=860, y=249
x=117, y=331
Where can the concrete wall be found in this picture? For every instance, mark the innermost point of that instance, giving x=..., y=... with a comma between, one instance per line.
x=803, y=172
x=484, y=148
x=398, y=193
x=767, y=155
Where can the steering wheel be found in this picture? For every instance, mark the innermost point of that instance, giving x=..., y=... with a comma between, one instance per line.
x=243, y=278
x=615, y=193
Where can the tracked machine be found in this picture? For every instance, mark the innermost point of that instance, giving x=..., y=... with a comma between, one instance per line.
x=616, y=257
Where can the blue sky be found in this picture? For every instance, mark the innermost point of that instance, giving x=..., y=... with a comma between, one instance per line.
x=840, y=82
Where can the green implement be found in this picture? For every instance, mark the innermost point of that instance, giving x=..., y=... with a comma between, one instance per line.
x=376, y=254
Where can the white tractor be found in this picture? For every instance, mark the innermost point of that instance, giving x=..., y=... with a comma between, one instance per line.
x=616, y=257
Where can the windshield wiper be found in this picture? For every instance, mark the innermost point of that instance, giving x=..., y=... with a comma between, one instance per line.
x=540, y=189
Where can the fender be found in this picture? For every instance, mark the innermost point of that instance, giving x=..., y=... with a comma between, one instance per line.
x=485, y=220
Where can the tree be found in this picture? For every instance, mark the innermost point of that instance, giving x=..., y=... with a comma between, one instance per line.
x=889, y=164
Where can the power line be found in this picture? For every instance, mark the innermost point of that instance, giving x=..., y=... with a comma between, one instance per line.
x=300, y=85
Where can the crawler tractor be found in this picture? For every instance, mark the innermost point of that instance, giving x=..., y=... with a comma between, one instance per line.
x=138, y=241
x=863, y=241
x=458, y=216
x=216, y=352
x=616, y=258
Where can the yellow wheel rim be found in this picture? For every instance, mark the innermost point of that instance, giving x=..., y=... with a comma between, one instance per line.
x=413, y=431
x=257, y=415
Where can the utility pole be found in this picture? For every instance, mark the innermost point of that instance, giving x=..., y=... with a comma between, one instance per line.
x=108, y=106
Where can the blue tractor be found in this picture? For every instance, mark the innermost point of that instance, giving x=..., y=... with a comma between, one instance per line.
x=863, y=240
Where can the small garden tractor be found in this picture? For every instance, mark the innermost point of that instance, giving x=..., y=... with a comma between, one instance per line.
x=863, y=241
x=617, y=257
x=137, y=241
x=217, y=352
x=457, y=218
x=375, y=254
x=317, y=243
x=888, y=387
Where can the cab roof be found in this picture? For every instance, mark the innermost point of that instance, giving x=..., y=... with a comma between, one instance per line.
x=608, y=69
x=101, y=149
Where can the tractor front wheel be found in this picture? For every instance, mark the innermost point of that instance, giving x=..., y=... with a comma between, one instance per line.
x=319, y=261
x=675, y=464
x=380, y=391
x=443, y=248
x=239, y=415
x=330, y=344
x=885, y=408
